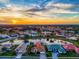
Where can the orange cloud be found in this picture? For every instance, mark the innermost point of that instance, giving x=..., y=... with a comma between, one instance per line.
x=15, y=21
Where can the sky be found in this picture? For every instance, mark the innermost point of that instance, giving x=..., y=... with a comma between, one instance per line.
x=39, y=11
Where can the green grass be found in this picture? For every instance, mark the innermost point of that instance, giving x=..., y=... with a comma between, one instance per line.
x=49, y=54
x=69, y=54
x=10, y=53
x=1, y=38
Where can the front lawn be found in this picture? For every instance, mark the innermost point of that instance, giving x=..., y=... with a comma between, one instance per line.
x=67, y=54
x=1, y=38
x=10, y=52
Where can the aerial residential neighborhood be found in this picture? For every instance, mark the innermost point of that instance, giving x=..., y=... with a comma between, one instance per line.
x=32, y=40
x=39, y=29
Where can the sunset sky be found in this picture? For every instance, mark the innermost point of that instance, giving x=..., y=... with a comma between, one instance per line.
x=39, y=12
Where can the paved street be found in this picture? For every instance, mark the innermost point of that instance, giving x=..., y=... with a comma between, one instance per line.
x=30, y=57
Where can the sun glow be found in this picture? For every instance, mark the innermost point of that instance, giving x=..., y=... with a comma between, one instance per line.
x=14, y=21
